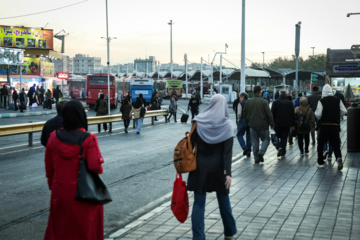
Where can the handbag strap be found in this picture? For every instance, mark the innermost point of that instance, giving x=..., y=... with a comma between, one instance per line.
x=82, y=139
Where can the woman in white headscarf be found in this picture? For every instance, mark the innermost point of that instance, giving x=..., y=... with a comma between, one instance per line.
x=214, y=138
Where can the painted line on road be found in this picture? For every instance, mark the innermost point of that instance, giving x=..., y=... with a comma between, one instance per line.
x=17, y=151
x=155, y=211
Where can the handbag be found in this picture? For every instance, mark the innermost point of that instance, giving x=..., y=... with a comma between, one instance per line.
x=180, y=200
x=90, y=187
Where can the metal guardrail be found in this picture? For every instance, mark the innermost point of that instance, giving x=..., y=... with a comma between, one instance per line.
x=30, y=128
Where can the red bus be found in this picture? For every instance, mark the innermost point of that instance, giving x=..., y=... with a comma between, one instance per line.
x=97, y=84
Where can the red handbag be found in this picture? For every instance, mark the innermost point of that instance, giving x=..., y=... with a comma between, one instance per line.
x=180, y=199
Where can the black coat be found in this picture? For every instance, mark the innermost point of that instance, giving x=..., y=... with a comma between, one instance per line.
x=125, y=110
x=212, y=160
x=283, y=113
x=51, y=125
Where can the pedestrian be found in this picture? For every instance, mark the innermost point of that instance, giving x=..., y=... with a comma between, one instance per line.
x=193, y=106
x=41, y=95
x=242, y=126
x=70, y=219
x=304, y=112
x=48, y=99
x=313, y=100
x=31, y=95
x=277, y=95
x=22, y=105
x=198, y=96
x=213, y=166
x=53, y=123
x=329, y=111
x=266, y=95
x=4, y=94
x=142, y=99
x=102, y=110
x=258, y=116
x=136, y=109
x=172, y=108
x=15, y=97
x=292, y=133
x=235, y=105
x=297, y=101
x=57, y=94
x=339, y=95
x=125, y=110
x=155, y=103
x=284, y=119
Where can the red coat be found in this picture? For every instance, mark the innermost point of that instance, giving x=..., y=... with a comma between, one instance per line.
x=70, y=219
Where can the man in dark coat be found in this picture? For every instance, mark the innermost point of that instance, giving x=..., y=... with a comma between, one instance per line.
x=193, y=106
x=313, y=100
x=4, y=93
x=15, y=98
x=53, y=124
x=57, y=94
x=30, y=94
x=284, y=118
x=235, y=106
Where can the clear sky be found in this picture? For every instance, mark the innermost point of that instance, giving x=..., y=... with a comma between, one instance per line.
x=200, y=28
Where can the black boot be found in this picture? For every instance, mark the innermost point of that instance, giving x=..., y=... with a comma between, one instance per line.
x=175, y=117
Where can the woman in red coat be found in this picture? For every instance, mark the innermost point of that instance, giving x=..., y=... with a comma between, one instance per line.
x=70, y=219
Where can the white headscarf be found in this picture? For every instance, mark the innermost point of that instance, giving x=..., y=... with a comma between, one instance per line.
x=327, y=91
x=214, y=125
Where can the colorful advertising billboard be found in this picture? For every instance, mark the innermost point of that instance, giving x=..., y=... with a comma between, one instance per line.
x=20, y=37
x=46, y=69
x=31, y=66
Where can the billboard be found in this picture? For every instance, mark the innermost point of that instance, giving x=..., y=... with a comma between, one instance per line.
x=11, y=56
x=31, y=66
x=20, y=37
x=47, y=69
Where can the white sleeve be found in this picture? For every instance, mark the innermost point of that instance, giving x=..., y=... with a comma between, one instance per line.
x=239, y=110
x=319, y=109
x=343, y=110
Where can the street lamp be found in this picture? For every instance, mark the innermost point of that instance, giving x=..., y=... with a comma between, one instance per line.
x=212, y=70
x=349, y=14
x=171, y=59
x=242, y=73
x=263, y=53
x=297, y=51
x=313, y=67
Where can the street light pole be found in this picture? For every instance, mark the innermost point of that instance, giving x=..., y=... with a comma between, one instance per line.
x=171, y=58
x=297, y=51
x=313, y=67
x=263, y=53
x=242, y=78
x=349, y=14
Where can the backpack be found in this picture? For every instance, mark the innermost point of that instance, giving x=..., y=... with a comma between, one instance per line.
x=304, y=123
x=184, y=155
x=96, y=107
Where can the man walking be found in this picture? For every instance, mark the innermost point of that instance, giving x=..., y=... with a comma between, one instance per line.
x=283, y=113
x=328, y=112
x=242, y=126
x=313, y=100
x=258, y=116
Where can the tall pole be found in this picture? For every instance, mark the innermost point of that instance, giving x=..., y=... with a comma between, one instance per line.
x=263, y=53
x=313, y=67
x=242, y=78
x=201, y=79
x=108, y=57
x=171, y=58
x=158, y=69
x=220, y=77
x=297, y=51
x=186, y=76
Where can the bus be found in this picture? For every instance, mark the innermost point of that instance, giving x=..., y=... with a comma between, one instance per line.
x=77, y=87
x=97, y=84
x=145, y=86
x=174, y=85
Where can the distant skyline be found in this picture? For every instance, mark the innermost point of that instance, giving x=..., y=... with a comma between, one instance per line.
x=200, y=28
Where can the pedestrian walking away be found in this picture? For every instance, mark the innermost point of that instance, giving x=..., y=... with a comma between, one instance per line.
x=57, y=94
x=15, y=97
x=214, y=138
x=125, y=110
x=313, y=100
x=193, y=105
x=284, y=119
x=258, y=116
x=329, y=111
x=305, y=121
x=48, y=99
x=70, y=219
x=136, y=109
x=155, y=103
x=22, y=105
x=242, y=126
x=53, y=124
x=102, y=110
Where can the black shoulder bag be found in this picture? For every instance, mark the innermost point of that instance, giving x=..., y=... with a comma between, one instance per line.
x=90, y=186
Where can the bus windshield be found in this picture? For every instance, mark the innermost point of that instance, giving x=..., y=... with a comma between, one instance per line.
x=100, y=80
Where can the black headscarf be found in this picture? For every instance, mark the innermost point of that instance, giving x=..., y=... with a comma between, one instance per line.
x=74, y=115
x=138, y=103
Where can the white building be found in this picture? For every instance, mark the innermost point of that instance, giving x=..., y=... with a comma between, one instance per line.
x=62, y=65
x=145, y=65
x=84, y=64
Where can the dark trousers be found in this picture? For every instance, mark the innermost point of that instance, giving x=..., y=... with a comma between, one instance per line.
x=126, y=123
x=15, y=105
x=104, y=126
x=49, y=105
x=301, y=138
x=41, y=99
x=282, y=133
x=328, y=133
x=194, y=113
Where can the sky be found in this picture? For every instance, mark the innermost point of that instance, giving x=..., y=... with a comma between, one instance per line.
x=200, y=27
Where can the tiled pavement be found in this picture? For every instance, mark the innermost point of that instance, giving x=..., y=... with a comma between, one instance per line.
x=286, y=198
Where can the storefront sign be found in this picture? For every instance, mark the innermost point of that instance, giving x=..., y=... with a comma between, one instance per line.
x=346, y=68
x=57, y=45
x=11, y=56
x=4, y=69
x=46, y=69
x=31, y=66
x=63, y=75
x=26, y=37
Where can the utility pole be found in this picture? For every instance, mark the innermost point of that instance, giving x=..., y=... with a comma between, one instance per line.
x=171, y=58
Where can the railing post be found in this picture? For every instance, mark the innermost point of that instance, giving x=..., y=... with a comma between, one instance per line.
x=110, y=127
x=152, y=120
x=30, y=139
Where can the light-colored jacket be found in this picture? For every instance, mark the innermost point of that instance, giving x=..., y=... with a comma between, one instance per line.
x=136, y=111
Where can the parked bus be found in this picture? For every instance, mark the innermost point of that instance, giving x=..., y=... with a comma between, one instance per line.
x=174, y=85
x=145, y=86
x=97, y=84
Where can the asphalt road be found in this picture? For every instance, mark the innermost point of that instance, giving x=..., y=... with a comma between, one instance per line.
x=138, y=170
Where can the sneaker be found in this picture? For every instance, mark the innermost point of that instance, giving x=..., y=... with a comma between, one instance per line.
x=340, y=164
x=248, y=154
x=245, y=150
x=306, y=152
x=261, y=158
x=325, y=154
x=329, y=159
x=280, y=152
x=137, y=132
x=302, y=154
x=321, y=165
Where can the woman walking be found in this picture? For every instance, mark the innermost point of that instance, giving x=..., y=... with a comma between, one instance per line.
x=302, y=111
x=137, y=113
x=173, y=107
x=214, y=139
x=125, y=110
x=70, y=219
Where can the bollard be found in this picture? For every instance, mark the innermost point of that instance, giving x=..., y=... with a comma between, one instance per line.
x=110, y=127
x=152, y=120
x=353, y=129
x=30, y=137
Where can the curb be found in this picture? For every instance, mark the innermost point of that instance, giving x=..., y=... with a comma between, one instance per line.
x=26, y=114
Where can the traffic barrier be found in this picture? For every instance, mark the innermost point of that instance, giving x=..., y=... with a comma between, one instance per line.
x=30, y=128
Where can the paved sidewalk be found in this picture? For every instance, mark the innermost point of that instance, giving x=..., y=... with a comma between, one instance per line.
x=286, y=198
x=30, y=111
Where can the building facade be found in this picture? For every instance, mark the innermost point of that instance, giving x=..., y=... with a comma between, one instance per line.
x=145, y=65
x=84, y=64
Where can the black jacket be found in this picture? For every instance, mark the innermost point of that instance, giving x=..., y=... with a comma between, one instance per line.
x=51, y=125
x=313, y=100
x=283, y=113
x=194, y=104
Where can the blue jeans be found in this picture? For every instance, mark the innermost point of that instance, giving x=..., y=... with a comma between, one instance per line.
x=138, y=124
x=265, y=141
x=330, y=148
x=243, y=128
x=198, y=212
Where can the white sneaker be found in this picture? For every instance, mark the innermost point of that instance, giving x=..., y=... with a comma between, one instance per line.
x=321, y=165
